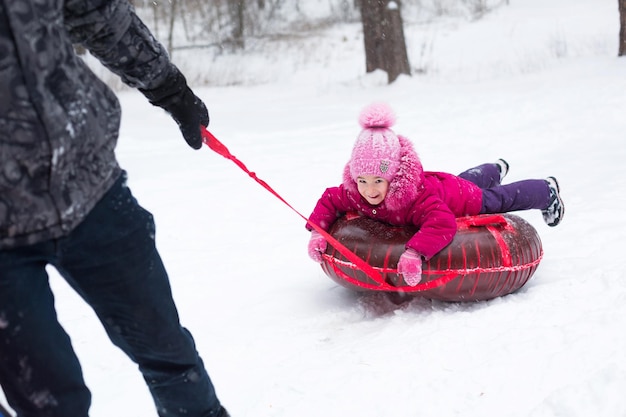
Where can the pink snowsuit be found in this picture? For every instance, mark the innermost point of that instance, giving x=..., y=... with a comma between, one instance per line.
x=429, y=200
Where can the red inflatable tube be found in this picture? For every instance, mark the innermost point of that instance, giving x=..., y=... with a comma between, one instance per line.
x=490, y=256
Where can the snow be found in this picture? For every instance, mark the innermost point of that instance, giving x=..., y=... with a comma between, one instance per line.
x=537, y=83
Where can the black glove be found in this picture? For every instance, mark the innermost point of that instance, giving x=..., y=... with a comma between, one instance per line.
x=189, y=112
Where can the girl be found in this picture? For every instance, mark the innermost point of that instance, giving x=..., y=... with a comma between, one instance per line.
x=384, y=180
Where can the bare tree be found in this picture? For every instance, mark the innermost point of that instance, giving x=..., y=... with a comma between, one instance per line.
x=383, y=35
x=237, y=10
x=622, y=27
x=170, y=36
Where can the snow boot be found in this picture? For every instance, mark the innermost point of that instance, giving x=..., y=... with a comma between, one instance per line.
x=553, y=214
x=503, y=167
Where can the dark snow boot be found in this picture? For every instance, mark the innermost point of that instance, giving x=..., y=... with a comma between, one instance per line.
x=553, y=214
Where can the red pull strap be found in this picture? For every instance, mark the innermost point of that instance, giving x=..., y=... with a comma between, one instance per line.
x=218, y=147
x=481, y=220
x=494, y=223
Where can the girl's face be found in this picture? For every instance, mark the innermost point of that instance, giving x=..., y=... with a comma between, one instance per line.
x=372, y=188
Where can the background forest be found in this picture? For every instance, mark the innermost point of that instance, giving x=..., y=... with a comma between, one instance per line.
x=209, y=38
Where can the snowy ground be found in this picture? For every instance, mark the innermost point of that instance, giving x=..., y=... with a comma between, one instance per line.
x=537, y=83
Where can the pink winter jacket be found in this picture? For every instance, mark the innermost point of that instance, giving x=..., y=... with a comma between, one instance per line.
x=429, y=200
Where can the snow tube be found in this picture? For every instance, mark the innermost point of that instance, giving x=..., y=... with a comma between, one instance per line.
x=490, y=256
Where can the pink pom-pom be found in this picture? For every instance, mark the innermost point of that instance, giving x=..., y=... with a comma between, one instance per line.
x=377, y=115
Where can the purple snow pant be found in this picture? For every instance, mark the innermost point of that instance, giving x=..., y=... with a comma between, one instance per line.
x=521, y=195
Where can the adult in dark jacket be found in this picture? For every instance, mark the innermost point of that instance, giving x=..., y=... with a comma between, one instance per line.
x=64, y=202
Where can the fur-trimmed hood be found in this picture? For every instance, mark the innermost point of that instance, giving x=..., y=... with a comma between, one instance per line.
x=404, y=187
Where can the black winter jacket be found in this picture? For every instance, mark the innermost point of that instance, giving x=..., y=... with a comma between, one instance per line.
x=58, y=122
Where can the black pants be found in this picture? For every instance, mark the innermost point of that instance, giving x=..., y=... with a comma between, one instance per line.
x=112, y=262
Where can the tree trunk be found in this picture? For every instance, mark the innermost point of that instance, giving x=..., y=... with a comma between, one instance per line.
x=383, y=36
x=170, y=35
x=622, y=27
x=237, y=9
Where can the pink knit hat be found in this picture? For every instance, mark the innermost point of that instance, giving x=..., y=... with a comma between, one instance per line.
x=377, y=148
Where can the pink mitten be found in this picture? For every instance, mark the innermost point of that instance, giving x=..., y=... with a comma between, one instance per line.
x=317, y=246
x=410, y=267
